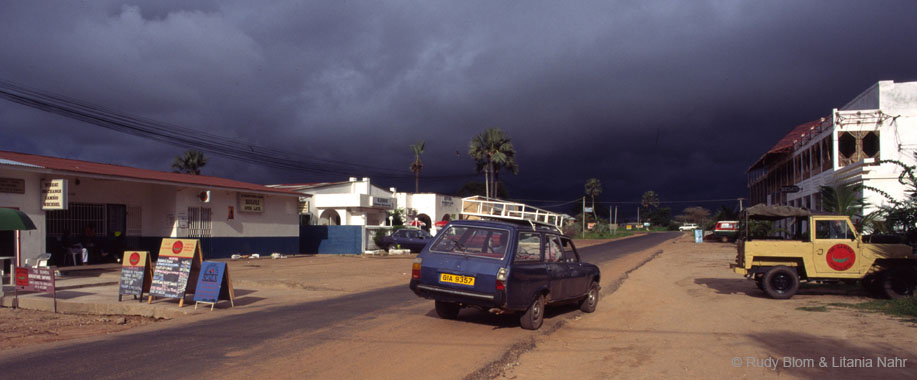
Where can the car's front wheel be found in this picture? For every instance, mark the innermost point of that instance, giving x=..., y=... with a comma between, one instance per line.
x=534, y=316
x=591, y=300
x=447, y=310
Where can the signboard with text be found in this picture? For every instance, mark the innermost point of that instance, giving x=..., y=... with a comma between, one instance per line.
x=35, y=280
x=251, y=203
x=54, y=194
x=12, y=185
x=213, y=284
x=176, y=269
x=136, y=274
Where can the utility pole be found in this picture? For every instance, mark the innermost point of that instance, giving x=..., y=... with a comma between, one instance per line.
x=740, y=204
x=584, y=216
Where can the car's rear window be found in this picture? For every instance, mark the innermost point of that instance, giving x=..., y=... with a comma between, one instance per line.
x=474, y=241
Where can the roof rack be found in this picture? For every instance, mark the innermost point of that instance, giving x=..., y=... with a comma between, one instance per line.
x=480, y=207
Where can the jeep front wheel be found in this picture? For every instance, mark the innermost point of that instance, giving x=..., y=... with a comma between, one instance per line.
x=534, y=316
x=781, y=282
x=897, y=282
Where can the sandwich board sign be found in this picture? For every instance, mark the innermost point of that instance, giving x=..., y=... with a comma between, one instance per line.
x=136, y=274
x=35, y=280
x=213, y=284
x=176, y=269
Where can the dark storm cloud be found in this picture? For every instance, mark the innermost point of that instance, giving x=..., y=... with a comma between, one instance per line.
x=674, y=96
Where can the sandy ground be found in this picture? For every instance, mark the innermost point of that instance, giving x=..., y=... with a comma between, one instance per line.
x=685, y=314
x=22, y=328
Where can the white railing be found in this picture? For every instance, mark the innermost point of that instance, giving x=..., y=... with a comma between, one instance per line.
x=481, y=207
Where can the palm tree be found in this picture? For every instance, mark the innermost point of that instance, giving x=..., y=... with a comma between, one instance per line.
x=417, y=165
x=190, y=163
x=847, y=200
x=593, y=189
x=649, y=199
x=493, y=150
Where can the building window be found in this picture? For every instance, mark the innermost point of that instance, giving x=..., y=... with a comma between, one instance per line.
x=847, y=145
x=871, y=144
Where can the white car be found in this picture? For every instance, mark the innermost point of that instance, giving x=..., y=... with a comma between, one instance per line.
x=688, y=227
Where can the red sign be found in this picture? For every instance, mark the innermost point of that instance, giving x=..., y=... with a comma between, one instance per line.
x=177, y=247
x=35, y=279
x=841, y=257
x=135, y=258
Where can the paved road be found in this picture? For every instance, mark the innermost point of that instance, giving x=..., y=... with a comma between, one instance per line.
x=382, y=333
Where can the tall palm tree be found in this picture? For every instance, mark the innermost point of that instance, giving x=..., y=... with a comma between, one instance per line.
x=847, y=200
x=493, y=150
x=190, y=163
x=649, y=199
x=417, y=165
x=593, y=189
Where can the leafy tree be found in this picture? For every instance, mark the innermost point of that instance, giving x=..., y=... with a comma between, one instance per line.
x=901, y=214
x=190, y=163
x=660, y=216
x=725, y=213
x=493, y=150
x=477, y=188
x=593, y=189
x=847, y=200
x=695, y=214
x=649, y=199
x=417, y=165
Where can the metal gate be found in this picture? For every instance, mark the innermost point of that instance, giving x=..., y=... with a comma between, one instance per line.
x=199, y=227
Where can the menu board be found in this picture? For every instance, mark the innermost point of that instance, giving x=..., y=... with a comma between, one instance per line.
x=213, y=284
x=176, y=269
x=135, y=274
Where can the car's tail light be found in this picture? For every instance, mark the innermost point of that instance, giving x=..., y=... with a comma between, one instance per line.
x=415, y=268
x=501, y=279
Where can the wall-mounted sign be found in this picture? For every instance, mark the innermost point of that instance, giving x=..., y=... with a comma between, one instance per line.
x=12, y=185
x=54, y=194
x=790, y=189
x=303, y=205
x=251, y=203
x=447, y=201
x=382, y=202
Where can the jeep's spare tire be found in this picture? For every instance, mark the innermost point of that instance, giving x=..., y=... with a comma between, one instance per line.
x=780, y=282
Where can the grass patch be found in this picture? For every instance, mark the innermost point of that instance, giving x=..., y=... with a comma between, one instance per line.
x=606, y=235
x=905, y=308
x=813, y=308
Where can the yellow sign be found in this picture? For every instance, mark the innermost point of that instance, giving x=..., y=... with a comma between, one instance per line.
x=135, y=258
x=251, y=203
x=54, y=194
x=180, y=248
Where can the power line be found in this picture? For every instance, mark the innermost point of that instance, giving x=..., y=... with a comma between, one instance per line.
x=191, y=138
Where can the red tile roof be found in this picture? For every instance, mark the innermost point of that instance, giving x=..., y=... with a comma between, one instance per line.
x=86, y=167
x=785, y=144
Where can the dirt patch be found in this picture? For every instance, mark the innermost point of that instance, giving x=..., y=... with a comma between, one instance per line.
x=686, y=315
x=21, y=328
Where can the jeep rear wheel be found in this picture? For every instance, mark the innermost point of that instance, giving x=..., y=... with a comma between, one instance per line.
x=534, y=316
x=589, y=302
x=781, y=282
x=447, y=310
x=897, y=282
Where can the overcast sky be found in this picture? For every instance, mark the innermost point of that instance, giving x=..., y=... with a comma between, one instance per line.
x=680, y=97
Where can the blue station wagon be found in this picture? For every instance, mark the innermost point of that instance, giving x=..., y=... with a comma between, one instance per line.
x=503, y=267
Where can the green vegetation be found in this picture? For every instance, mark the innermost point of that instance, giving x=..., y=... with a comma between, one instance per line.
x=190, y=163
x=492, y=151
x=593, y=189
x=813, y=308
x=905, y=308
x=417, y=165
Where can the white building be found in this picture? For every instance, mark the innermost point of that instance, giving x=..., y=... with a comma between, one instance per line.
x=349, y=203
x=843, y=148
x=133, y=209
x=428, y=208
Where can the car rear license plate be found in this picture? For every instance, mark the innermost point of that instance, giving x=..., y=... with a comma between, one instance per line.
x=456, y=279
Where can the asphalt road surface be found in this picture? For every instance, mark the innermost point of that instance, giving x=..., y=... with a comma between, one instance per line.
x=386, y=333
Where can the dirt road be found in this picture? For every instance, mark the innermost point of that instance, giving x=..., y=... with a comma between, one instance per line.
x=686, y=315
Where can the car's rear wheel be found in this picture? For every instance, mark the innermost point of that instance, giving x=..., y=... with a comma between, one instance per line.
x=447, y=310
x=591, y=300
x=781, y=282
x=534, y=316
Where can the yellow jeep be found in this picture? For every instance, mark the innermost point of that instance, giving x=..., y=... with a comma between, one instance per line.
x=792, y=250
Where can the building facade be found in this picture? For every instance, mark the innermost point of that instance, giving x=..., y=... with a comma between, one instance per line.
x=116, y=208
x=846, y=147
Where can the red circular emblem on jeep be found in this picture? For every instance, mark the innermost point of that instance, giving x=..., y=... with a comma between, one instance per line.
x=176, y=248
x=135, y=258
x=841, y=257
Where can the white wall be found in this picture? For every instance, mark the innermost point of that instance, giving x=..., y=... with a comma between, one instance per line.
x=31, y=242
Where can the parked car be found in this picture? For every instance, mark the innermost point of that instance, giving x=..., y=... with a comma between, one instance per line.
x=503, y=267
x=726, y=230
x=688, y=227
x=407, y=238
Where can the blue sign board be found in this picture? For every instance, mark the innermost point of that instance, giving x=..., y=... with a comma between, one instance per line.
x=213, y=283
x=698, y=236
